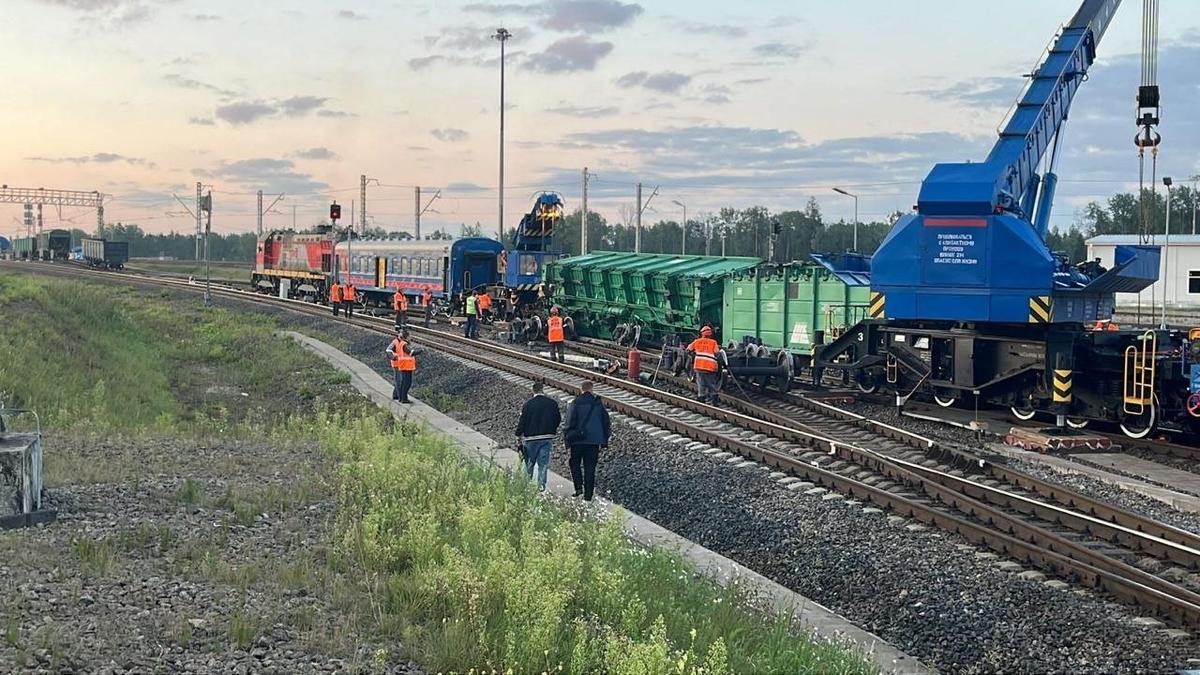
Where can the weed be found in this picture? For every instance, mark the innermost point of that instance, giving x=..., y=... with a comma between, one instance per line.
x=189, y=492
x=12, y=631
x=242, y=630
x=440, y=401
x=183, y=633
x=95, y=555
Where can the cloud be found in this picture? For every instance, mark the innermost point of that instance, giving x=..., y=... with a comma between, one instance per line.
x=780, y=50
x=449, y=135
x=422, y=62
x=185, y=82
x=667, y=82
x=993, y=91
x=202, y=121
x=244, y=112
x=114, y=14
x=265, y=173
x=249, y=112
x=97, y=158
x=724, y=30
x=350, y=15
x=300, y=105
x=590, y=16
x=568, y=55
x=583, y=111
x=320, y=153
x=205, y=17
x=468, y=37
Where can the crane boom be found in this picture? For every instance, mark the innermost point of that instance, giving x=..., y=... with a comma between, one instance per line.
x=1002, y=181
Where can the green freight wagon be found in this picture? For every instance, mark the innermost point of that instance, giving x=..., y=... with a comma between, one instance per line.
x=25, y=248
x=662, y=295
x=784, y=306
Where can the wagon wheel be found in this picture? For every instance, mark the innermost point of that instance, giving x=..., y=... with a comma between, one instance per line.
x=1141, y=426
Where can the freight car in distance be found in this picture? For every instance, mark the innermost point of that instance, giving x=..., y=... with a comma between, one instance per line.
x=107, y=254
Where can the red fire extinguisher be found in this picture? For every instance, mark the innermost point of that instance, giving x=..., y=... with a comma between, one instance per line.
x=635, y=364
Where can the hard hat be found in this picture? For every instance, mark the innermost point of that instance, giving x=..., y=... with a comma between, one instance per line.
x=706, y=331
x=553, y=311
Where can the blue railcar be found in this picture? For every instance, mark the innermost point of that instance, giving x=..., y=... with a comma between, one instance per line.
x=378, y=267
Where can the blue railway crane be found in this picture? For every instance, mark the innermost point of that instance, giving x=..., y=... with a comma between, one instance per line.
x=533, y=247
x=979, y=228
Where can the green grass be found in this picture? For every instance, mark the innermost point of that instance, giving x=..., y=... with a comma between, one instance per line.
x=438, y=400
x=482, y=574
x=93, y=357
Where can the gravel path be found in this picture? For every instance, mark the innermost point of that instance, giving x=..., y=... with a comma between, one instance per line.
x=929, y=593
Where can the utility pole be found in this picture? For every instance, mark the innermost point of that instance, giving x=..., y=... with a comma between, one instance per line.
x=637, y=228
x=362, y=204
x=417, y=213
x=840, y=191
x=260, y=214
x=39, y=220
x=641, y=208
x=199, y=201
x=682, y=230
x=503, y=35
x=100, y=221
x=206, y=206
x=1167, y=259
x=293, y=217
x=724, y=233
x=583, y=216
x=419, y=210
x=1195, y=199
x=262, y=211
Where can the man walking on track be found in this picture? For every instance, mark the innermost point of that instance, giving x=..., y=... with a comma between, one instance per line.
x=485, y=307
x=400, y=304
x=588, y=430
x=472, y=310
x=427, y=301
x=554, y=335
x=536, y=429
x=349, y=295
x=705, y=366
x=404, y=362
x=335, y=297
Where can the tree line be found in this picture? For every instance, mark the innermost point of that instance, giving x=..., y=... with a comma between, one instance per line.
x=755, y=231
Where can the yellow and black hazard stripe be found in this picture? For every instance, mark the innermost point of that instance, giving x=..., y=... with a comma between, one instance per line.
x=1041, y=308
x=876, y=305
x=1062, y=386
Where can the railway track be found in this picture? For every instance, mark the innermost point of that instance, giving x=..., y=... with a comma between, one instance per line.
x=1065, y=533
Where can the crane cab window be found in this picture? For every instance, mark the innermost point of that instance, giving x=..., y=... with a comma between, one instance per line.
x=1194, y=282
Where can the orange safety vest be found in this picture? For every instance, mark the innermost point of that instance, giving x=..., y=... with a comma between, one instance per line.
x=400, y=302
x=335, y=293
x=485, y=302
x=706, y=355
x=348, y=293
x=427, y=297
x=401, y=359
x=555, y=331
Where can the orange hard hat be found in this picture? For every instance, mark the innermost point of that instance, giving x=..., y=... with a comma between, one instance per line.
x=706, y=331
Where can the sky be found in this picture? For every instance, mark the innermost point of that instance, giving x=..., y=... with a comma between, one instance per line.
x=768, y=102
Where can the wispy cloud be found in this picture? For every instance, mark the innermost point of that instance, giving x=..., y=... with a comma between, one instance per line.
x=350, y=15
x=97, y=158
x=240, y=113
x=569, y=55
x=320, y=153
x=583, y=110
x=666, y=82
x=567, y=15
x=449, y=135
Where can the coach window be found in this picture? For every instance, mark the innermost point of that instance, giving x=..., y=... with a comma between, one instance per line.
x=1194, y=281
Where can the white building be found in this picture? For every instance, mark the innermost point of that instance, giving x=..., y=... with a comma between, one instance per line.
x=1178, y=273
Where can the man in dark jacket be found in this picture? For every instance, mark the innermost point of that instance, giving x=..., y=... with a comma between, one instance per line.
x=588, y=430
x=536, y=430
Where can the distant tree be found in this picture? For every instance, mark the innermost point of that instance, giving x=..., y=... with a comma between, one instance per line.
x=475, y=230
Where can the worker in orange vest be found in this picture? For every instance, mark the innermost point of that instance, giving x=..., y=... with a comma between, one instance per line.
x=335, y=296
x=403, y=359
x=427, y=300
x=400, y=304
x=706, y=366
x=485, y=305
x=554, y=335
x=349, y=296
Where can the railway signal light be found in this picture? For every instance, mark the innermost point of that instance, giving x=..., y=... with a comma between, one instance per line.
x=335, y=212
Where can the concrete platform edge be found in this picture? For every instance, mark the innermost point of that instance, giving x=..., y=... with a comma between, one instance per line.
x=823, y=621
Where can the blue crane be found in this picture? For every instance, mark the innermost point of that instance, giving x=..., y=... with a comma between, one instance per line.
x=533, y=246
x=979, y=228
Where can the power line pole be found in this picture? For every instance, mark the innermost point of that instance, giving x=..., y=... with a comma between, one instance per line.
x=100, y=221
x=206, y=206
x=39, y=220
x=417, y=213
x=419, y=210
x=260, y=214
x=583, y=216
x=199, y=201
x=1195, y=199
x=637, y=228
x=362, y=204
x=502, y=35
